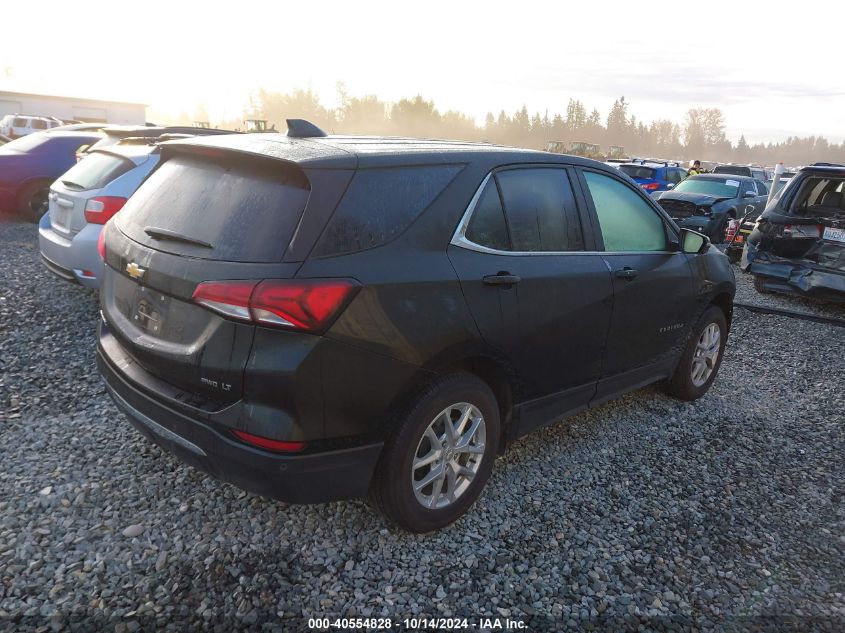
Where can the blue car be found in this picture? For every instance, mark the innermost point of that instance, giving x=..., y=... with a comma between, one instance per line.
x=30, y=164
x=654, y=176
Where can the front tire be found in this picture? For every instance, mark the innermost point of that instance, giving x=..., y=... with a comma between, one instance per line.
x=702, y=357
x=438, y=458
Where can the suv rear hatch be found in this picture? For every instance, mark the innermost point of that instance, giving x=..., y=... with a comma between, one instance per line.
x=202, y=215
x=69, y=195
x=815, y=229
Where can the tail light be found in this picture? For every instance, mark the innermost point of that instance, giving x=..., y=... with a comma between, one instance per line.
x=100, y=210
x=101, y=244
x=267, y=443
x=309, y=305
x=651, y=186
x=731, y=229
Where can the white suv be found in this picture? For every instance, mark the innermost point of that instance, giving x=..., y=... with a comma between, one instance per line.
x=17, y=125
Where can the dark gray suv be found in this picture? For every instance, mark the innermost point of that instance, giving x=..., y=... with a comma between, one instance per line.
x=318, y=318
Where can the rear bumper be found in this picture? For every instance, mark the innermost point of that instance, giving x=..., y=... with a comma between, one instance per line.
x=312, y=478
x=799, y=278
x=73, y=259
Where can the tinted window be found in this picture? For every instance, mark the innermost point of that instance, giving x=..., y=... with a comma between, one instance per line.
x=627, y=221
x=540, y=210
x=821, y=194
x=762, y=189
x=95, y=171
x=487, y=226
x=675, y=175
x=247, y=214
x=635, y=171
x=380, y=204
x=732, y=169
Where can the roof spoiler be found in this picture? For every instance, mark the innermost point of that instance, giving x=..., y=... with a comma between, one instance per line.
x=300, y=128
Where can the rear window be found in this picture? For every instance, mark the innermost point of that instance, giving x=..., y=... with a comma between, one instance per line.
x=96, y=171
x=245, y=212
x=637, y=172
x=380, y=204
x=732, y=169
x=819, y=195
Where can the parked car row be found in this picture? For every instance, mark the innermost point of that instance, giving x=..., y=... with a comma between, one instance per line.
x=316, y=318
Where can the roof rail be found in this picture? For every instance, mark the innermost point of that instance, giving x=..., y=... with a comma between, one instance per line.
x=300, y=128
x=827, y=165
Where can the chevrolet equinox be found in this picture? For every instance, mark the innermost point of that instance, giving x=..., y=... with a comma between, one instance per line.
x=315, y=317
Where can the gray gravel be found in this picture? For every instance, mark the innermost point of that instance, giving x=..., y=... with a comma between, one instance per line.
x=646, y=512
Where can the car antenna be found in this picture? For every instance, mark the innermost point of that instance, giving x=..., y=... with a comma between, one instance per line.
x=300, y=128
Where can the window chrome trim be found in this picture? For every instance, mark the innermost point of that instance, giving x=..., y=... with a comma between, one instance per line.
x=460, y=240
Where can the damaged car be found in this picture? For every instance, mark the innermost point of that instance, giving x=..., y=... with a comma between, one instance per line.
x=798, y=243
x=706, y=203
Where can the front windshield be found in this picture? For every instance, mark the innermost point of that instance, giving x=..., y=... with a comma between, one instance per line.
x=24, y=143
x=718, y=187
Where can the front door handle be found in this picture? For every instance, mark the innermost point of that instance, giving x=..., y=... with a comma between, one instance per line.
x=502, y=279
x=628, y=274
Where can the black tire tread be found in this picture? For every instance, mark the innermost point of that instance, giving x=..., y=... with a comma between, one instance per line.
x=680, y=384
x=382, y=495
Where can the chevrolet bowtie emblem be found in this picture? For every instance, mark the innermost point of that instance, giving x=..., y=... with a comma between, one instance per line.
x=134, y=270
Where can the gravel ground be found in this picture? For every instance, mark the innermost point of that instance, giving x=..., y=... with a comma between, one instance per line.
x=724, y=514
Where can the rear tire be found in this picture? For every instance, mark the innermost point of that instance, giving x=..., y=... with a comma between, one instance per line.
x=421, y=449
x=702, y=357
x=33, y=201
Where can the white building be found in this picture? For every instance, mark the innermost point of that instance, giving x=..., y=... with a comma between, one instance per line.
x=73, y=108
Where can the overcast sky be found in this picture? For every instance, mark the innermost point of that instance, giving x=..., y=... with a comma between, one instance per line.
x=775, y=70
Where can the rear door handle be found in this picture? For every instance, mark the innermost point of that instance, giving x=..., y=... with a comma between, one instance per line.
x=628, y=274
x=502, y=279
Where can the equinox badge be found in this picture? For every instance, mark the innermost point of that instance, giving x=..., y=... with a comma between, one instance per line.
x=134, y=270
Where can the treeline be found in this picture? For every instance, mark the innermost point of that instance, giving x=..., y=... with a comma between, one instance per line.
x=701, y=134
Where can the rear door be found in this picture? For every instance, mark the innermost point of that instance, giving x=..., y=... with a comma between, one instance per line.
x=527, y=243
x=653, y=294
x=197, y=219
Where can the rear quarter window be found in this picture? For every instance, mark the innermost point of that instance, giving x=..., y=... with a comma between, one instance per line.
x=380, y=204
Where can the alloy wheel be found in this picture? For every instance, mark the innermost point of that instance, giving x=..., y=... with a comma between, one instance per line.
x=448, y=455
x=706, y=354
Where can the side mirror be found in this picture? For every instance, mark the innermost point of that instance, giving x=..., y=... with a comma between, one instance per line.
x=749, y=194
x=693, y=243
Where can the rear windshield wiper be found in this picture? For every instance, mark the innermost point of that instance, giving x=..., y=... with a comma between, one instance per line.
x=163, y=234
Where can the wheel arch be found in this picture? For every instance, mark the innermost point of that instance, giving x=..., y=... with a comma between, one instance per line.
x=496, y=377
x=724, y=301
